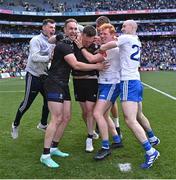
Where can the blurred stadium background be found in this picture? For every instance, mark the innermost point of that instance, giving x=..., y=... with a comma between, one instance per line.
x=21, y=20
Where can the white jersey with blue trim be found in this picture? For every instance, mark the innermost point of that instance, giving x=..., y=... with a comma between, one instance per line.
x=112, y=74
x=130, y=52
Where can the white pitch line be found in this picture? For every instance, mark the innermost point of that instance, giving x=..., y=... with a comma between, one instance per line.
x=161, y=92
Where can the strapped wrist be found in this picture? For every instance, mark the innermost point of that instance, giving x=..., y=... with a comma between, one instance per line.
x=82, y=48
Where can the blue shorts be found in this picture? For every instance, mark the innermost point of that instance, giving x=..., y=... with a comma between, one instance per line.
x=109, y=92
x=131, y=90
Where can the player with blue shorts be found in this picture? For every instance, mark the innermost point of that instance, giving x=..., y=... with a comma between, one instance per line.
x=131, y=89
x=108, y=91
x=114, y=109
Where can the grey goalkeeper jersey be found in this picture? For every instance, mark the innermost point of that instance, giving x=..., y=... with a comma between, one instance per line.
x=39, y=55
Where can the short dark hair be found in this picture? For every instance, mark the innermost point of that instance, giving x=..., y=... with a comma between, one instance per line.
x=102, y=20
x=46, y=21
x=70, y=20
x=90, y=31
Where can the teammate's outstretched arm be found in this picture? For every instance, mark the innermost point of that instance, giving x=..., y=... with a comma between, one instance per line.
x=71, y=59
x=109, y=45
x=92, y=58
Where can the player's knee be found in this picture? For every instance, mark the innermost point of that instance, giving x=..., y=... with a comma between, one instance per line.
x=56, y=117
x=96, y=115
x=55, y=122
x=89, y=114
x=66, y=118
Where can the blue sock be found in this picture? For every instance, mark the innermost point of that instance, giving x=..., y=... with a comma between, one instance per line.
x=147, y=146
x=116, y=139
x=105, y=144
x=150, y=134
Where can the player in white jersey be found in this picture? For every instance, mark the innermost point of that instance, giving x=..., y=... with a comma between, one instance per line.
x=131, y=89
x=108, y=91
x=114, y=109
x=130, y=56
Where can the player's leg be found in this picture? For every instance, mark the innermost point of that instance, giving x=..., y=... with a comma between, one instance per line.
x=100, y=108
x=79, y=93
x=131, y=94
x=90, y=125
x=91, y=88
x=130, y=111
x=83, y=110
x=31, y=91
x=60, y=130
x=45, y=111
x=115, y=117
x=142, y=119
x=56, y=110
x=117, y=143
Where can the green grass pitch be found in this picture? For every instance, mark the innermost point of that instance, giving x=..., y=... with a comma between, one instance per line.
x=19, y=159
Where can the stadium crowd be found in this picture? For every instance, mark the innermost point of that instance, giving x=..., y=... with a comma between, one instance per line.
x=13, y=56
x=114, y=5
x=152, y=27
x=157, y=27
x=159, y=54
x=86, y=5
x=18, y=30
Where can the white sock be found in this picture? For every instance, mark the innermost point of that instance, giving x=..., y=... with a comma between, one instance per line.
x=150, y=152
x=53, y=149
x=152, y=139
x=116, y=121
x=45, y=156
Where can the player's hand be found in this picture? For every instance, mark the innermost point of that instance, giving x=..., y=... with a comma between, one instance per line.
x=100, y=51
x=97, y=40
x=102, y=65
x=51, y=55
x=78, y=42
